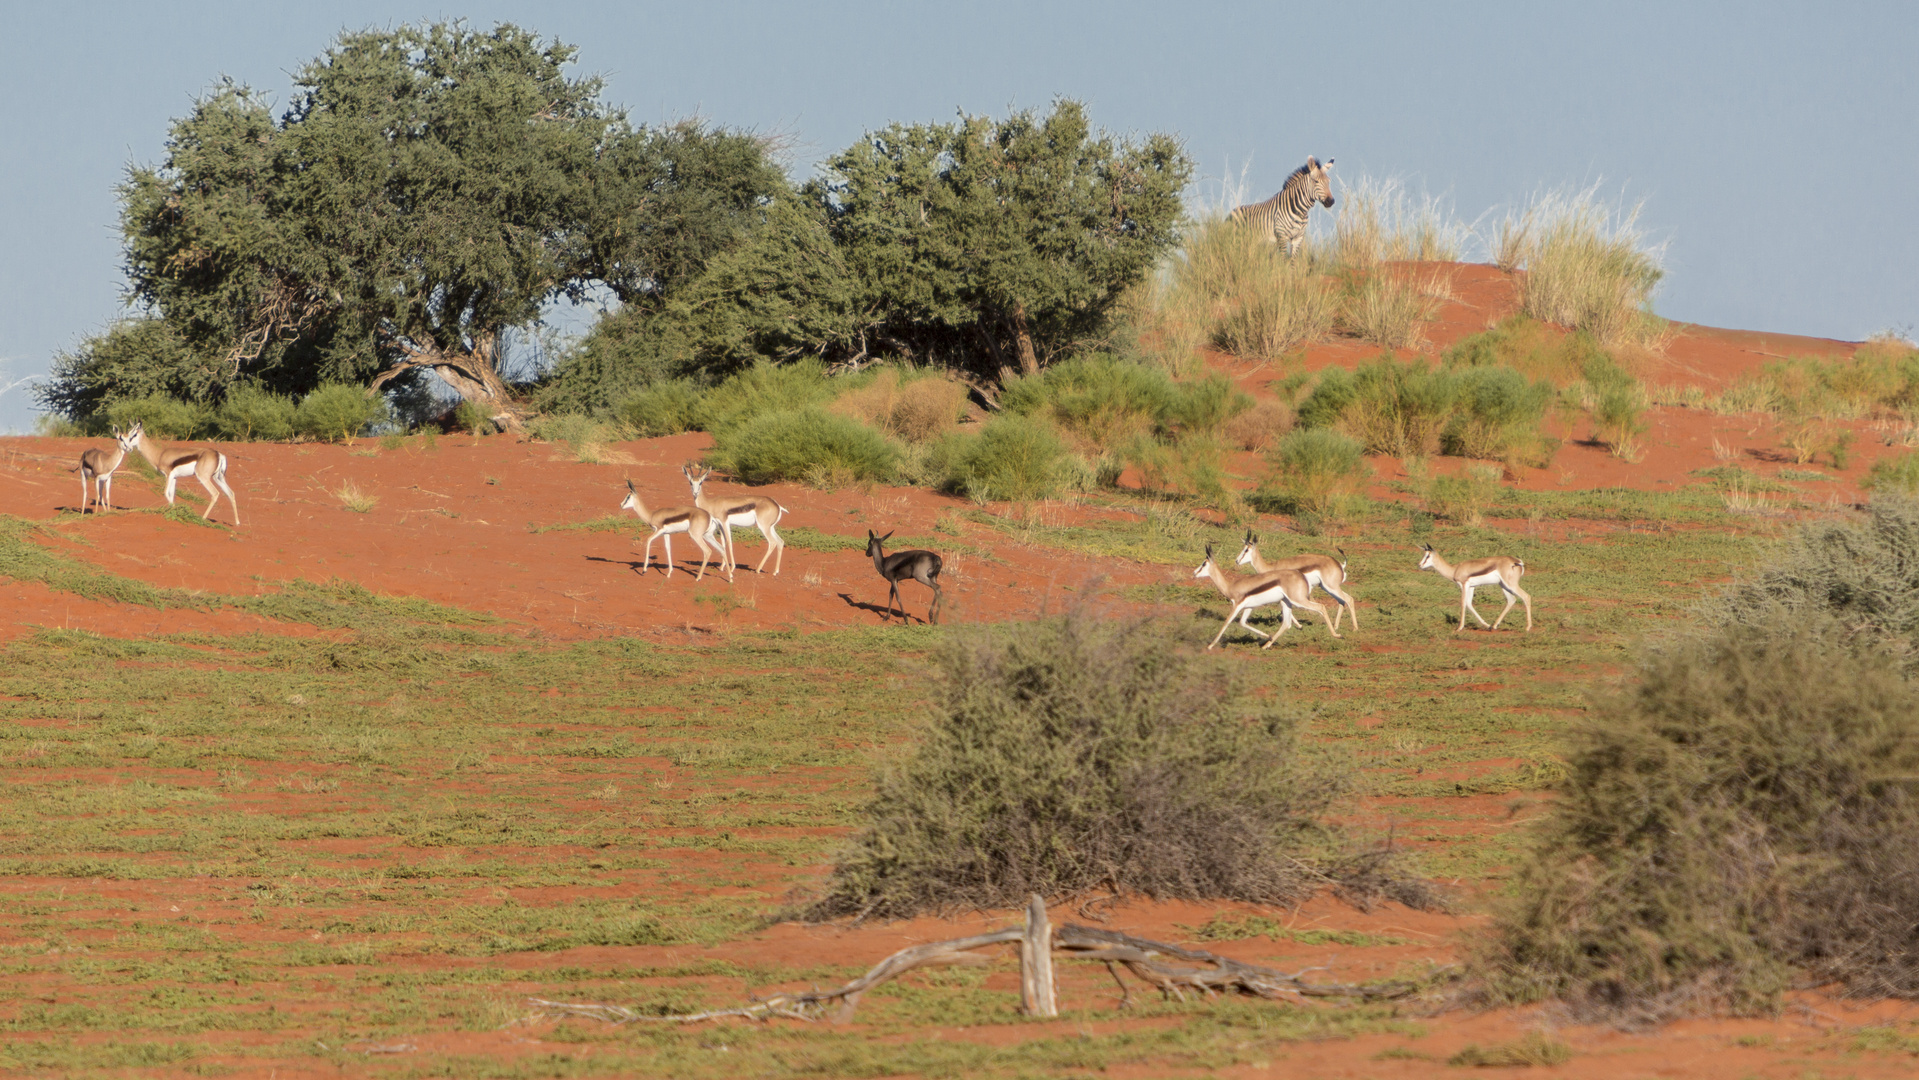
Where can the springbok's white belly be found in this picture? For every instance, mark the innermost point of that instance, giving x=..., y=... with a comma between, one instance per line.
x=183, y=470
x=1490, y=578
x=744, y=519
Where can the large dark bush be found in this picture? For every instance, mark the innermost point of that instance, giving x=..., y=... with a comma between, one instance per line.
x=1079, y=753
x=1741, y=816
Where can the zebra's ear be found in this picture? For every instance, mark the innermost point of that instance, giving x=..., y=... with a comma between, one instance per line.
x=1329, y=163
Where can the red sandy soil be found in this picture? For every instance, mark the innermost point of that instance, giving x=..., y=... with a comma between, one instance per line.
x=454, y=524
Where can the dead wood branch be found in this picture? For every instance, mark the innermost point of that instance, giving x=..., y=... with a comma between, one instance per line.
x=835, y=1006
x=1149, y=960
x=1169, y=968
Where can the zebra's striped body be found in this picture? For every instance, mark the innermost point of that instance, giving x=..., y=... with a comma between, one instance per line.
x=1283, y=217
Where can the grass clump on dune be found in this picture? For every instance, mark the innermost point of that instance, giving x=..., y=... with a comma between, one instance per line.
x=1740, y=817
x=1587, y=267
x=1078, y=753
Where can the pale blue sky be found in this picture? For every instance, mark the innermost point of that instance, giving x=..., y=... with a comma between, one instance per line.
x=1775, y=147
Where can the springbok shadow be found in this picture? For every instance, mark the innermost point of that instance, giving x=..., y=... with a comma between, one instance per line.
x=877, y=609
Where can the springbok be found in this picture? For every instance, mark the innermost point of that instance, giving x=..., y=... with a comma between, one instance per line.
x=742, y=511
x=1501, y=570
x=203, y=463
x=1321, y=570
x=921, y=566
x=1286, y=588
x=98, y=466
x=691, y=520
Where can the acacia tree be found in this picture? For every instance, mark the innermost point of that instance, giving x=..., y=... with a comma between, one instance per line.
x=1004, y=241
x=429, y=188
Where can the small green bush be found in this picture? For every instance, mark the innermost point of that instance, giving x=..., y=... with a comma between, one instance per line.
x=664, y=408
x=1390, y=407
x=1100, y=400
x=1615, y=400
x=764, y=389
x=1899, y=474
x=1079, y=753
x=1318, y=468
x=1012, y=457
x=474, y=417
x=810, y=445
x=251, y=412
x=162, y=417
x=337, y=412
x=1204, y=406
x=1528, y=346
x=1465, y=496
x=1497, y=415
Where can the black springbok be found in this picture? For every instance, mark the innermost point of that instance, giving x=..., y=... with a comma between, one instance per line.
x=921, y=566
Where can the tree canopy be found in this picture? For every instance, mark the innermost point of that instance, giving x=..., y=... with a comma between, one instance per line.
x=428, y=188
x=1003, y=241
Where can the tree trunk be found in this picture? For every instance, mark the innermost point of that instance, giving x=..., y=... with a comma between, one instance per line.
x=474, y=376
x=1028, y=360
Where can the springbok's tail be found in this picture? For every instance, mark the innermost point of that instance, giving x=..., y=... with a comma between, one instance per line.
x=1521, y=563
x=1342, y=561
x=221, y=470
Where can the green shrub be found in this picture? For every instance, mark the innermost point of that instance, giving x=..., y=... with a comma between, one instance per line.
x=764, y=389
x=1528, y=346
x=1741, y=816
x=1497, y=415
x=1863, y=571
x=1318, y=468
x=1079, y=753
x=810, y=445
x=586, y=436
x=1012, y=457
x=474, y=417
x=162, y=417
x=1392, y=408
x=1899, y=474
x=1204, y=406
x=664, y=408
x=1463, y=497
x=1102, y=401
x=251, y=412
x=1615, y=400
x=337, y=412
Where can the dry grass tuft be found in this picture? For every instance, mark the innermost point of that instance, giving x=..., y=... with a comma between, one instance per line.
x=1587, y=266
x=352, y=498
x=907, y=405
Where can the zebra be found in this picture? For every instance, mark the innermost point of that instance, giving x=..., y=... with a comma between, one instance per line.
x=1284, y=215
